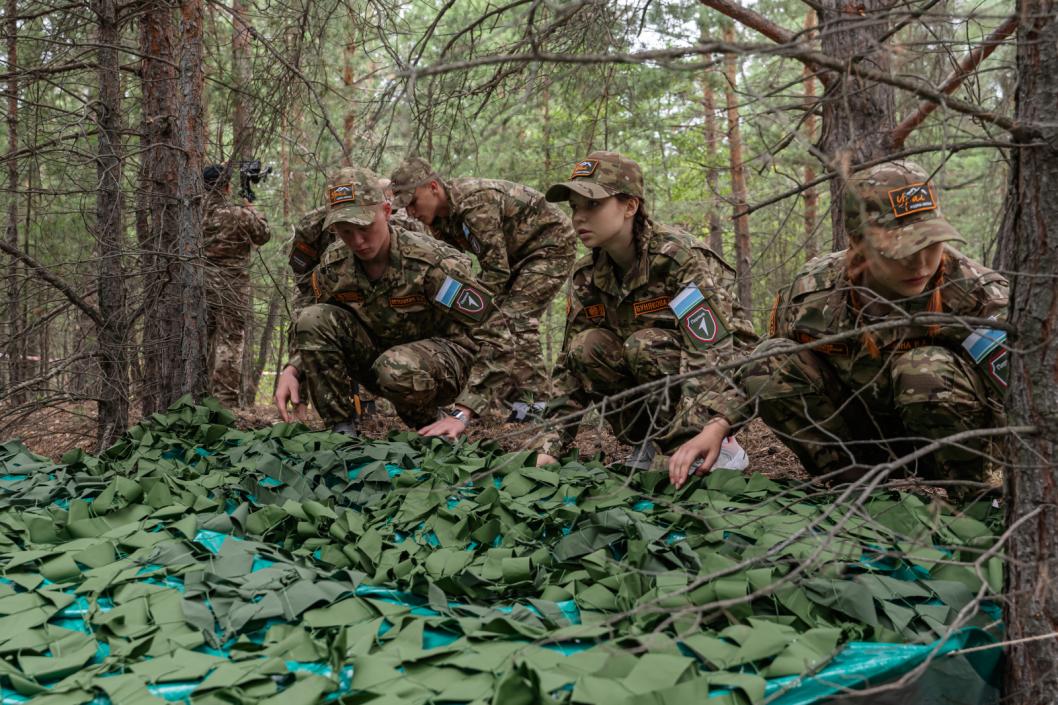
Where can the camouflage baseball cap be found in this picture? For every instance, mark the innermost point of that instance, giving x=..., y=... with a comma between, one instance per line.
x=410, y=175
x=895, y=206
x=600, y=175
x=352, y=194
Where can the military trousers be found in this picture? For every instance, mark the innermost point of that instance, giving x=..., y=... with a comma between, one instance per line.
x=605, y=365
x=227, y=302
x=533, y=288
x=337, y=350
x=843, y=414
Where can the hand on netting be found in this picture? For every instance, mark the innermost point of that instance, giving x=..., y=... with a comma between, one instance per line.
x=706, y=445
x=449, y=427
x=288, y=389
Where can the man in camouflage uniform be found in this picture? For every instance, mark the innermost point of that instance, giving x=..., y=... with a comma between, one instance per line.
x=229, y=234
x=398, y=312
x=875, y=395
x=671, y=314
x=524, y=244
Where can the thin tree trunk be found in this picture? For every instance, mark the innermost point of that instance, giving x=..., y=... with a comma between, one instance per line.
x=738, y=180
x=263, y=348
x=191, y=375
x=242, y=73
x=113, y=392
x=858, y=115
x=1031, y=231
x=349, y=123
x=712, y=173
x=811, y=195
x=156, y=225
x=15, y=347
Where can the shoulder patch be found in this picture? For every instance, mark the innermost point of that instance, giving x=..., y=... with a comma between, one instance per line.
x=466, y=299
x=354, y=297
x=986, y=348
x=699, y=323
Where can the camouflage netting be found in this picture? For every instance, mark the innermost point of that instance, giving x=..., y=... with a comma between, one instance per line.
x=199, y=563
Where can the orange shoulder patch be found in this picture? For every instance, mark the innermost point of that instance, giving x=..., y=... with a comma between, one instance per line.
x=595, y=311
x=354, y=297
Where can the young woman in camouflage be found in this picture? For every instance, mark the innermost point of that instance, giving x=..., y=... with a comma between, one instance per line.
x=879, y=392
x=647, y=302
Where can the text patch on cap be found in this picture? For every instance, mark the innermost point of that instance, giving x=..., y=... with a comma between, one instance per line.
x=586, y=167
x=342, y=193
x=913, y=199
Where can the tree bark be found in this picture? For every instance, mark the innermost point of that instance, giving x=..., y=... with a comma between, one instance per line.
x=811, y=195
x=113, y=388
x=349, y=122
x=191, y=375
x=1031, y=231
x=15, y=348
x=858, y=115
x=712, y=174
x=738, y=180
x=263, y=348
x=242, y=74
x=158, y=202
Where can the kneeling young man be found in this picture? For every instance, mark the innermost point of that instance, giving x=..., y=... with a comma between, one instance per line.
x=398, y=312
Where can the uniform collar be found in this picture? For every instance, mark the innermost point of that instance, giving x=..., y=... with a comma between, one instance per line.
x=605, y=273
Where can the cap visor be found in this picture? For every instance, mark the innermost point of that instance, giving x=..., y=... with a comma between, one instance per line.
x=588, y=189
x=899, y=243
x=401, y=199
x=360, y=216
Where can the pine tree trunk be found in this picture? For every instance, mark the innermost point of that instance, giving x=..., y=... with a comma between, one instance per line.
x=15, y=347
x=811, y=195
x=191, y=375
x=349, y=122
x=113, y=391
x=263, y=348
x=1031, y=233
x=712, y=174
x=738, y=180
x=244, y=147
x=858, y=115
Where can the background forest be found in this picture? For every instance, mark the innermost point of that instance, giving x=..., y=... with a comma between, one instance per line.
x=103, y=101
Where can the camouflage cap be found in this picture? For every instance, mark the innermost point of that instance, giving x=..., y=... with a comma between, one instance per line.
x=410, y=175
x=352, y=194
x=895, y=206
x=600, y=175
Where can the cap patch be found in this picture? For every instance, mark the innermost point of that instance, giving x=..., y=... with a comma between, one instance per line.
x=342, y=193
x=914, y=198
x=585, y=167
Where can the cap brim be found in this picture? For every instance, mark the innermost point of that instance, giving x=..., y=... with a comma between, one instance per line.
x=401, y=199
x=589, y=189
x=898, y=243
x=360, y=216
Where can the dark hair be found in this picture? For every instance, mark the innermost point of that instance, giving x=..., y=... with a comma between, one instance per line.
x=213, y=175
x=641, y=222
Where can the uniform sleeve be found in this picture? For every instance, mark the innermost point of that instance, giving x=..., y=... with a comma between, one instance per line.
x=483, y=217
x=569, y=397
x=454, y=289
x=706, y=319
x=251, y=225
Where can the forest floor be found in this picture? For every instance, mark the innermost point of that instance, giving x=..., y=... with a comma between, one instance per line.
x=53, y=431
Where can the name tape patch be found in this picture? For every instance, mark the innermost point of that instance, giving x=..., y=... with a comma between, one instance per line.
x=595, y=311
x=406, y=301
x=349, y=297
x=913, y=199
x=641, y=308
x=585, y=167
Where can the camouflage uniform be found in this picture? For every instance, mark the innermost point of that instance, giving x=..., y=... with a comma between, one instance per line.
x=423, y=335
x=525, y=246
x=673, y=313
x=866, y=399
x=229, y=233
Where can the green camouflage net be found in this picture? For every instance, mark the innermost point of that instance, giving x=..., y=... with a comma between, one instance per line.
x=194, y=562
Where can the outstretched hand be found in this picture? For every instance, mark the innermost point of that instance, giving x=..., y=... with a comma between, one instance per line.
x=706, y=446
x=449, y=427
x=288, y=389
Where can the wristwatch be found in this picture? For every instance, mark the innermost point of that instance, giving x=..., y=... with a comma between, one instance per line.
x=459, y=414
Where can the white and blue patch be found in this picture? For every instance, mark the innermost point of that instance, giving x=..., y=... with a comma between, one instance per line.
x=449, y=291
x=983, y=341
x=686, y=300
